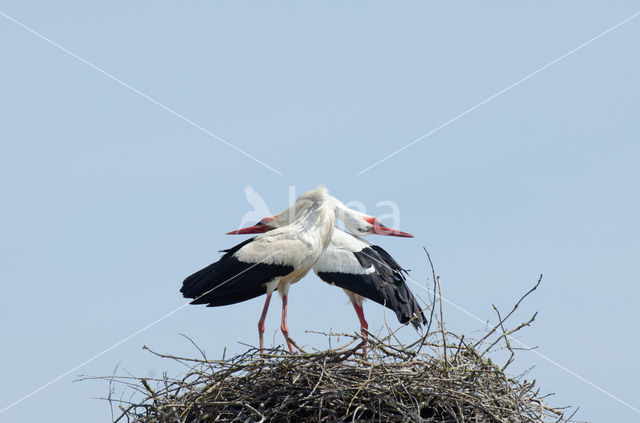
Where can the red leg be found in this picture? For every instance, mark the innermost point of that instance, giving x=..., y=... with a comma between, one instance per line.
x=263, y=316
x=283, y=325
x=363, y=324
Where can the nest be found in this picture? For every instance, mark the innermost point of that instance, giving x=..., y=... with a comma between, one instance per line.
x=441, y=377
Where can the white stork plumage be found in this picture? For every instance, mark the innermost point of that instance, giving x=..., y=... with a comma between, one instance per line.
x=272, y=260
x=361, y=269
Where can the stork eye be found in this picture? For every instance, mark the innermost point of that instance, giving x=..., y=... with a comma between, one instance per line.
x=362, y=230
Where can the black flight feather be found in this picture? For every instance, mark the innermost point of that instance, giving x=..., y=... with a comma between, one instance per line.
x=386, y=286
x=230, y=281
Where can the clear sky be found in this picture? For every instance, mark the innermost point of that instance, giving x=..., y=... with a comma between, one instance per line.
x=109, y=200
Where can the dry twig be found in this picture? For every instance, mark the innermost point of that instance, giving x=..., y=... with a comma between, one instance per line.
x=395, y=383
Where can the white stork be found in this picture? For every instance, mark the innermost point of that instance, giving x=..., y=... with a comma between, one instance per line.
x=361, y=269
x=270, y=261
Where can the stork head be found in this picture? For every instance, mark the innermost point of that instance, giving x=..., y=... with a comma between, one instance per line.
x=368, y=225
x=264, y=225
x=361, y=224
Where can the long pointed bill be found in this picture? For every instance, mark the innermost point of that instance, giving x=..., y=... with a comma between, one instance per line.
x=380, y=229
x=258, y=228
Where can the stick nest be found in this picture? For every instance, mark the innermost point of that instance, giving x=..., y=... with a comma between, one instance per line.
x=441, y=377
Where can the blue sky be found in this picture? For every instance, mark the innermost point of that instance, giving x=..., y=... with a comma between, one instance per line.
x=109, y=201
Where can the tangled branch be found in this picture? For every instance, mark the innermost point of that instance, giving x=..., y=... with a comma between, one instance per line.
x=394, y=383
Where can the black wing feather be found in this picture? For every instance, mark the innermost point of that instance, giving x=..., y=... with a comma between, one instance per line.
x=386, y=286
x=230, y=281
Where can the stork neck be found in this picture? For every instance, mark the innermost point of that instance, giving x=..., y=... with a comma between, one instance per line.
x=319, y=221
x=352, y=219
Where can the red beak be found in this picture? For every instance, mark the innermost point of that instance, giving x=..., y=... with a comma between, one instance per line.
x=380, y=229
x=258, y=228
